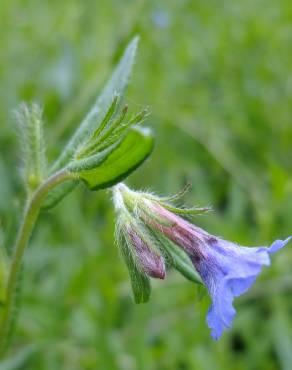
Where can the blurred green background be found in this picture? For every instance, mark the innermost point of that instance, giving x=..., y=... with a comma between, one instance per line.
x=217, y=76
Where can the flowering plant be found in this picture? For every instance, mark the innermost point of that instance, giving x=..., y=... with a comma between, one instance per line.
x=152, y=233
x=107, y=146
x=150, y=230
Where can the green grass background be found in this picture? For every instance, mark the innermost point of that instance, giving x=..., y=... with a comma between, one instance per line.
x=217, y=76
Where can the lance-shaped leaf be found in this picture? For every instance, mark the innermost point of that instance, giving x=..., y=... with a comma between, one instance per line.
x=95, y=120
x=132, y=150
x=58, y=193
x=115, y=86
x=93, y=161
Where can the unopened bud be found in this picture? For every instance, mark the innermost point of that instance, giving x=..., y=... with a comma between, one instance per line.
x=151, y=262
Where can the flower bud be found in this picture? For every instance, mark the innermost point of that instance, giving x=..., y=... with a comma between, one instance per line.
x=139, y=250
x=150, y=261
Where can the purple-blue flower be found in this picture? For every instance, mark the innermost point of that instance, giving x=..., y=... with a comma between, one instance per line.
x=227, y=269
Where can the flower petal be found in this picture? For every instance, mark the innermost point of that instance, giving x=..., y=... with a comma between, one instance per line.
x=278, y=244
x=229, y=270
x=221, y=312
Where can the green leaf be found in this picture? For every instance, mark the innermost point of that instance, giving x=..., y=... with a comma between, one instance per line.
x=97, y=143
x=108, y=167
x=129, y=154
x=88, y=148
x=57, y=194
x=119, y=128
x=116, y=86
x=91, y=162
x=109, y=114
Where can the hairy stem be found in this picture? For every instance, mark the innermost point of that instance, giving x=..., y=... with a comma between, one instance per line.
x=31, y=213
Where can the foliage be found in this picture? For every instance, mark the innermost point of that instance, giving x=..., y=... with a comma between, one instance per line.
x=216, y=78
x=102, y=151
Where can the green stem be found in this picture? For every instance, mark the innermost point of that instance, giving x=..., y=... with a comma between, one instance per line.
x=31, y=213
